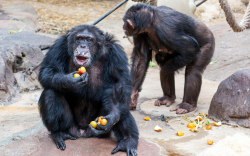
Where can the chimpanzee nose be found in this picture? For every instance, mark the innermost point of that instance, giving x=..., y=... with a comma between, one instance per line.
x=83, y=46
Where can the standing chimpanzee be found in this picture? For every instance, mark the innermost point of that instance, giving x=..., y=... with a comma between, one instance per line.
x=178, y=40
x=67, y=104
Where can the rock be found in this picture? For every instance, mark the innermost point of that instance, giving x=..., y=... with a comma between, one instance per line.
x=19, y=51
x=231, y=102
x=18, y=16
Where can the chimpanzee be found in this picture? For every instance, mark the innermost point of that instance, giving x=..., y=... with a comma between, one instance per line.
x=178, y=40
x=67, y=104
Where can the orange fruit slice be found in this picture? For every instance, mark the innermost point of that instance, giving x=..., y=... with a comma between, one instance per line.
x=209, y=127
x=99, y=119
x=147, y=118
x=198, y=118
x=191, y=125
x=209, y=142
x=158, y=128
x=217, y=124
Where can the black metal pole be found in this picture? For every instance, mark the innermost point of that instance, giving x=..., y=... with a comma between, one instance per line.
x=201, y=3
x=112, y=10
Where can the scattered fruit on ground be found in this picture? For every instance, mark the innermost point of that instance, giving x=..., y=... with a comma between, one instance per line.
x=198, y=118
x=217, y=124
x=209, y=142
x=207, y=122
x=93, y=124
x=179, y=133
x=81, y=70
x=158, y=128
x=147, y=118
x=76, y=75
x=209, y=127
x=103, y=122
x=191, y=125
x=192, y=129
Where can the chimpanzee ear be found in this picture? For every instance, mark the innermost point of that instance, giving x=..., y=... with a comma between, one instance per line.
x=131, y=23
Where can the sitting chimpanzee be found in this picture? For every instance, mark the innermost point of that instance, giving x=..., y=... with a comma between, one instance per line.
x=67, y=104
x=178, y=40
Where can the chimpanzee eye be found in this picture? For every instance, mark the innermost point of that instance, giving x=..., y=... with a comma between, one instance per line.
x=79, y=38
x=88, y=39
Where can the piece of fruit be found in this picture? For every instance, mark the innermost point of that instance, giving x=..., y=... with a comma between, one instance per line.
x=179, y=133
x=190, y=125
x=158, y=128
x=209, y=142
x=147, y=118
x=81, y=70
x=99, y=119
x=207, y=122
x=103, y=122
x=76, y=75
x=209, y=127
x=93, y=124
x=198, y=118
x=217, y=124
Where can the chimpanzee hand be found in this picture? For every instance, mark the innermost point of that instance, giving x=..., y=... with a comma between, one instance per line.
x=74, y=83
x=112, y=120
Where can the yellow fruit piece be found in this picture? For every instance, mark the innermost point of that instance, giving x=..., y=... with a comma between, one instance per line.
x=147, y=118
x=209, y=142
x=209, y=127
x=158, y=128
x=93, y=124
x=76, y=75
x=217, y=124
x=179, y=133
x=103, y=122
x=191, y=125
x=192, y=129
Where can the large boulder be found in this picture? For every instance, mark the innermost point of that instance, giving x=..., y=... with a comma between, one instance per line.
x=14, y=16
x=19, y=51
x=231, y=102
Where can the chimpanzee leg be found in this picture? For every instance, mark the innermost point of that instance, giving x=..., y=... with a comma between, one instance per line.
x=193, y=79
x=126, y=133
x=56, y=116
x=168, y=88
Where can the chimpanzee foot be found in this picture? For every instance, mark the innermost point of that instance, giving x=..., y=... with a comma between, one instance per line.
x=165, y=100
x=134, y=98
x=183, y=108
x=59, y=138
x=128, y=145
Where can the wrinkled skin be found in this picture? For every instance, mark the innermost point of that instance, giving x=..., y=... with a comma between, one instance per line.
x=67, y=105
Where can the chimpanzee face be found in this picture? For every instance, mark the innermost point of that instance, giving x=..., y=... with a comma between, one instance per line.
x=136, y=20
x=129, y=27
x=84, y=48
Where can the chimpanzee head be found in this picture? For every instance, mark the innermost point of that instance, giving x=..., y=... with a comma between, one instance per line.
x=137, y=18
x=83, y=44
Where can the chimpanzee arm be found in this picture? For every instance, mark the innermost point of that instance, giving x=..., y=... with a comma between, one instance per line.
x=117, y=89
x=141, y=57
x=54, y=68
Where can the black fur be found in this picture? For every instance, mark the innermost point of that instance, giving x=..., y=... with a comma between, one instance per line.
x=66, y=111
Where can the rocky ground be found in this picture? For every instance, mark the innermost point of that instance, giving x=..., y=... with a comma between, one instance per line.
x=22, y=132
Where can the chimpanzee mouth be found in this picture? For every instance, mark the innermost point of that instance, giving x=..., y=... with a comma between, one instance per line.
x=81, y=60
